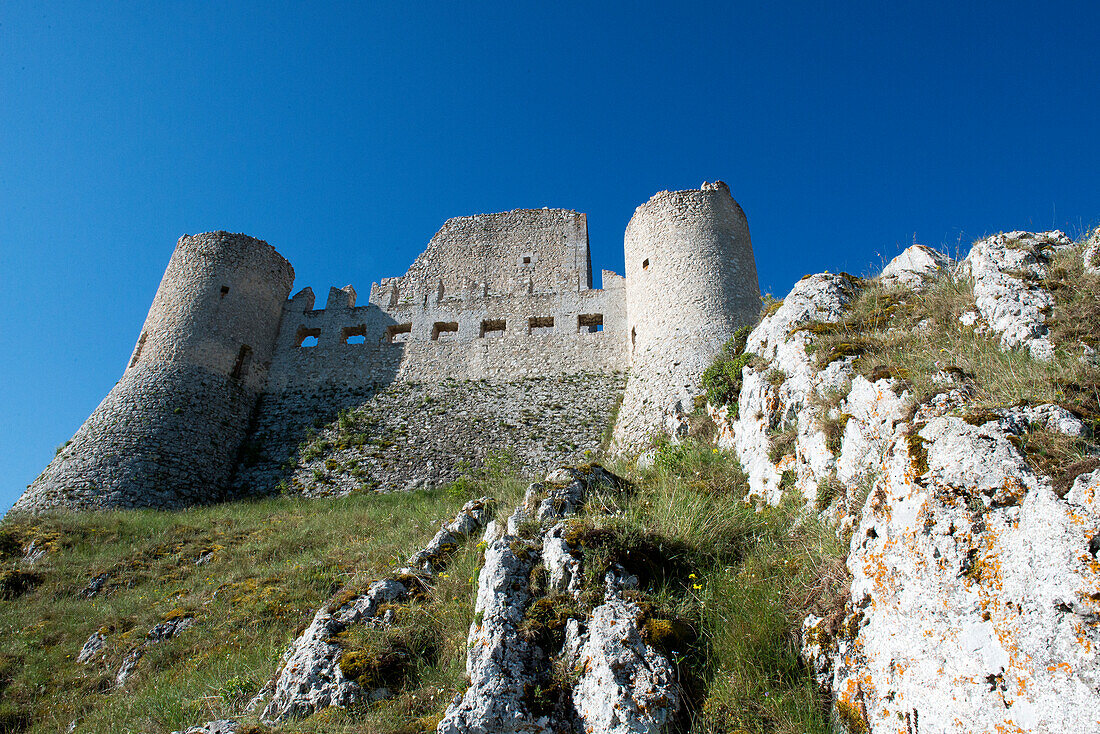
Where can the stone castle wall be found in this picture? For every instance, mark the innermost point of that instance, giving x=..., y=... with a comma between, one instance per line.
x=692, y=283
x=494, y=341
x=331, y=439
x=168, y=433
x=473, y=352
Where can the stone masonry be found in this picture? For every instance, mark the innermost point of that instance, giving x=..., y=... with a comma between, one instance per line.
x=494, y=341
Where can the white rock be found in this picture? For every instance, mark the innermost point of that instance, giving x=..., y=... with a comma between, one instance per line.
x=973, y=590
x=1055, y=418
x=914, y=267
x=159, y=633
x=563, y=567
x=627, y=686
x=875, y=410
x=1007, y=270
x=765, y=407
x=1091, y=255
x=221, y=726
x=92, y=648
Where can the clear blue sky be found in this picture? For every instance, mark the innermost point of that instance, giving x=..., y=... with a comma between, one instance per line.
x=345, y=136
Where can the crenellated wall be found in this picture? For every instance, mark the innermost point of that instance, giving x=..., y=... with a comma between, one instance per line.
x=494, y=340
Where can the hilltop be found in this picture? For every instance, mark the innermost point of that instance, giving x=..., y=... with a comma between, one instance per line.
x=881, y=516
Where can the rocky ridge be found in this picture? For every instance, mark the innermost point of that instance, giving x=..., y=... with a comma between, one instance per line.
x=316, y=671
x=623, y=684
x=975, y=590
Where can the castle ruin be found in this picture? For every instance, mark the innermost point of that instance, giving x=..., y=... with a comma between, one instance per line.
x=493, y=341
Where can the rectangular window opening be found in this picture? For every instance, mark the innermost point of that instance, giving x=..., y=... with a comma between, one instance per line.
x=244, y=358
x=308, y=337
x=540, y=325
x=399, y=333
x=492, y=328
x=354, y=334
x=590, y=322
x=225, y=291
x=444, y=331
x=645, y=264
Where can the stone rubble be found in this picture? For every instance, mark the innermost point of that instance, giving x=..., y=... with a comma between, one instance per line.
x=310, y=678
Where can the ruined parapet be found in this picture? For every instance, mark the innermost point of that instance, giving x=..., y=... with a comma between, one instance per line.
x=690, y=284
x=520, y=251
x=168, y=433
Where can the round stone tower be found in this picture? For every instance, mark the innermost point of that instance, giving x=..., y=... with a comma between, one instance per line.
x=690, y=284
x=169, y=432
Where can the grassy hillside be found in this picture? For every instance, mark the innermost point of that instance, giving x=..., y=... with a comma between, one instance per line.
x=735, y=580
x=725, y=582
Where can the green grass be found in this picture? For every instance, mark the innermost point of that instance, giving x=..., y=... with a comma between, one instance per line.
x=725, y=587
x=916, y=336
x=722, y=379
x=274, y=562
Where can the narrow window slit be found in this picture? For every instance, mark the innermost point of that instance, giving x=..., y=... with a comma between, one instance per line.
x=244, y=358
x=137, y=349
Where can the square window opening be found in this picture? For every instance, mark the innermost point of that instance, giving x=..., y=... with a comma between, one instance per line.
x=308, y=337
x=398, y=333
x=225, y=291
x=540, y=325
x=354, y=334
x=590, y=322
x=492, y=328
x=645, y=264
x=444, y=331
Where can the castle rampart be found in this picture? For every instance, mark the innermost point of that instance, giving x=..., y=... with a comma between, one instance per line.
x=169, y=431
x=494, y=340
x=691, y=282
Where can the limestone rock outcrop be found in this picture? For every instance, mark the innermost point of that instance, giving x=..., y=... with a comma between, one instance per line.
x=975, y=587
x=311, y=677
x=625, y=685
x=1007, y=270
x=780, y=394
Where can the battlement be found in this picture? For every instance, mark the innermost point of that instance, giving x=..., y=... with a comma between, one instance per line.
x=226, y=360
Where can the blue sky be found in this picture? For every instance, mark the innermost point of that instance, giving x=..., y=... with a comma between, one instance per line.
x=345, y=134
